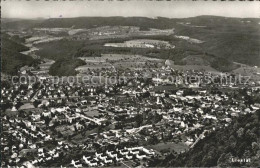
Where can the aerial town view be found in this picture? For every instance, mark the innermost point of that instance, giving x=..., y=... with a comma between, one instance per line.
x=116, y=90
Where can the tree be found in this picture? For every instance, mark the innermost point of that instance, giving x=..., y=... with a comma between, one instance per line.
x=255, y=147
x=47, y=121
x=258, y=113
x=240, y=132
x=224, y=160
x=36, y=103
x=138, y=120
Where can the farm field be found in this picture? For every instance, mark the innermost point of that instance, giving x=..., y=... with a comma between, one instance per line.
x=127, y=61
x=122, y=61
x=128, y=57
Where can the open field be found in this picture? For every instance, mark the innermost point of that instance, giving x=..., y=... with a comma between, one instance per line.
x=143, y=43
x=94, y=66
x=191, y=40
x=195, y=60
x=169, y=146
x=122, y=61
x=42, y=39
x=128, y=57
x=92, y=113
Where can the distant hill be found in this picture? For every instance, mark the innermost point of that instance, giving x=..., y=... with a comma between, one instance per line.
x=233, y=39
x=159, y=22
x=91, y=22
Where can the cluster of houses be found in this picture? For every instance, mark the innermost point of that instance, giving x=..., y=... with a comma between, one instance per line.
x=109, y=157
x=49, y=123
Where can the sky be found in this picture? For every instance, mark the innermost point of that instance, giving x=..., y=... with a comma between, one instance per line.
x=170, y=9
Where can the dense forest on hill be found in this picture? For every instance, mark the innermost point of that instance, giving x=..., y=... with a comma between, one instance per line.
x=92, y=22
x=94, y=48
x=65, y=67
x=229, y=39
x=235, y=42
x=12, y=59
x=143, y=22
x=226, y=40
x=240, y=140
x=62, y=49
